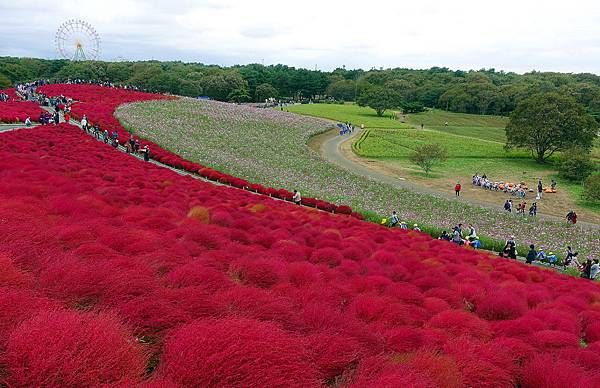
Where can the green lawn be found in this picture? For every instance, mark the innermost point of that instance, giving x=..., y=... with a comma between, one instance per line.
x=438, y=118
x=349, y=112
x=399, y=143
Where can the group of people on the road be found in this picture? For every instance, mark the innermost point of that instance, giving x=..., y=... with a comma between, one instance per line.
x=347, y=127
x=521, y=208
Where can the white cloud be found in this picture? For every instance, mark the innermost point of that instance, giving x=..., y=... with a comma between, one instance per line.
x=515, y=35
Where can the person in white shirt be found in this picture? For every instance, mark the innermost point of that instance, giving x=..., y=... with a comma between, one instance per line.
x=28, y=121
x=297, y=198
x=595, y=269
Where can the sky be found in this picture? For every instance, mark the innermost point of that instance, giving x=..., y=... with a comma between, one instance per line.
x=510, y=35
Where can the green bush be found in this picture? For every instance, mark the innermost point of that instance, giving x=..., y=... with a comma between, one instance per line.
x=576, y=164
x=591, y=189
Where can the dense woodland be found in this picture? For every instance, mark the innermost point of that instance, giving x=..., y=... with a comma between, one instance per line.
x=482, y=91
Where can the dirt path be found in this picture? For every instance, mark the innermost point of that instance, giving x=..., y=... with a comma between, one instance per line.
x=338, y=150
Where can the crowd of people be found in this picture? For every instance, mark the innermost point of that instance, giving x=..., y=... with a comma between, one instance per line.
x=518, y=190
x=4, y=97
x=347, y=128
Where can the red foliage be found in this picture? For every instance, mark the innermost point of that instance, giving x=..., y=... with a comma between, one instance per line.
x=62, y=348
x=236, y=352
x=308, y=296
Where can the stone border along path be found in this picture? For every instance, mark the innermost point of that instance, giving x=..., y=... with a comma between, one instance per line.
x=331, y=151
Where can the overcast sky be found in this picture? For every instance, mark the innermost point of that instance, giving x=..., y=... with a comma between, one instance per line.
x=512, y=35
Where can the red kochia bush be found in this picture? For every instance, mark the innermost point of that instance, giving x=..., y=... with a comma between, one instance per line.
x=71, y=349
x=236, y=352
x=544, y=371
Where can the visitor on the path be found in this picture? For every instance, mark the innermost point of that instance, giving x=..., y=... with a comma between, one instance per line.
x=56, y=118
x=84, y=123
x=594, y=269
x=136, y=147
x=28, y=121
x=472, y=233
x=115, y=143
x=403, y=225
x=572, y=217
x=541, y=256
x=416, y=228
x=131, y=143
x=553, y=185
x=568, y=257
x=510, y=248
x=146, y=152
x=297, y=198
x=531, y=254
x=540, y=190
x=552, y=259
x=457, y=189
x=533, y=209
x=394, y=219
x=445, y=236
x=422, y=126
x=106, y=136
x=587, y=269
x=521, y=208
x=457, y=237
x=508, y=205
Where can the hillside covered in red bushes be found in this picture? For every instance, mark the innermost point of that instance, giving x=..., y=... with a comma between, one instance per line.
x=16, y=111
x=99, y=103
x=118, y=272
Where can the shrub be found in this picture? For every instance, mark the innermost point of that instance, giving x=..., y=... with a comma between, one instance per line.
x=62, y=348
x=591, y=188
x=236, y=352
x=576, y=164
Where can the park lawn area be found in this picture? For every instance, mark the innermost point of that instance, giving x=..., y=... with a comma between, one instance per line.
x=399, y=143
x=438, y=118
x=349, y=112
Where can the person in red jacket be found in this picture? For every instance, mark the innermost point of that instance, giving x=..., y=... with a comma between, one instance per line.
x=457, y=189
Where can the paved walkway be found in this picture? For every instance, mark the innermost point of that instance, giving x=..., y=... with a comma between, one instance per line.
x=331, y=151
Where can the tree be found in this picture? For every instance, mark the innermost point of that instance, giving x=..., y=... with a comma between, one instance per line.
x=264, y=91
x=550, y=122
x=427, y=155
x=379, y=98
x=576, y=164
x=238, y=95
x=343, y=90
x=4, y=82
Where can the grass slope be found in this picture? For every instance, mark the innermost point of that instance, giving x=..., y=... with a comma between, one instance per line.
x=349, y=112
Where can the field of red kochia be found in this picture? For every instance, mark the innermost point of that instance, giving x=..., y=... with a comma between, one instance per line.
x=117, y=272
x=16, y=111
x=98, y=103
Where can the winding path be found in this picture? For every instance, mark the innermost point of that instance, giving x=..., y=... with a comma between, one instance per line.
x=331, y=150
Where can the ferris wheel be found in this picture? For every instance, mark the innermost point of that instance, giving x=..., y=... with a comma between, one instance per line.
x=77, y=40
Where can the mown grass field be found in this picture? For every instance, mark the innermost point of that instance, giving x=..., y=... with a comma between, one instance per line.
x=349, y=112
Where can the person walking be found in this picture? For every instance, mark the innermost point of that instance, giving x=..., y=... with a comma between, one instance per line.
x=531, y=255
x=297, y=198
x=394, y=219
x=457, y=189
x=540, y=189
x=146, y=151
x=105, y=138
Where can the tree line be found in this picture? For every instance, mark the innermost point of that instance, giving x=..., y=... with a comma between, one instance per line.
x=484, y=91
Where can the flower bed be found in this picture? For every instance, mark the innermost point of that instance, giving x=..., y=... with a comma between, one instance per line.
x=99, y=104
x=16, y=111
x=111, y=267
